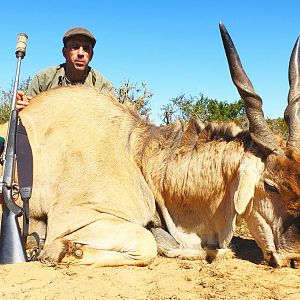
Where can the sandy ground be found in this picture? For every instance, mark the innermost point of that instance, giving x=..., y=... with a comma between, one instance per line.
x=243, y=277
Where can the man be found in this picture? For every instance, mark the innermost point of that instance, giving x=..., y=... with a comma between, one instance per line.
x=78, y=52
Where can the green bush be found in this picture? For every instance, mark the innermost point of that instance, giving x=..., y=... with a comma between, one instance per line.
x=6, y=96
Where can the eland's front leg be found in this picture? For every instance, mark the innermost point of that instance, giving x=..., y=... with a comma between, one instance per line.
x=110, y=241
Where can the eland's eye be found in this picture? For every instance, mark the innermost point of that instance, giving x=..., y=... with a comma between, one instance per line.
x=270, y=186
x=297, y=224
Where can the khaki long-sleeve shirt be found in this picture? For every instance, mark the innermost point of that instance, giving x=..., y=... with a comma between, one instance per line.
x=56, y=76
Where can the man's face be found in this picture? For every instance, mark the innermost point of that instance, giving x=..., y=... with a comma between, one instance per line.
x=78, y=52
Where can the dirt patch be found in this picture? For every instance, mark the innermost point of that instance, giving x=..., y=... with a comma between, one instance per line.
x=243, y=277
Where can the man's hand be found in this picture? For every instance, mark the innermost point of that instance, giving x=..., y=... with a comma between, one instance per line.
x=22, y=100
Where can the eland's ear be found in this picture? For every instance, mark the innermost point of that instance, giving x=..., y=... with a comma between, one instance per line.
x=248, y=174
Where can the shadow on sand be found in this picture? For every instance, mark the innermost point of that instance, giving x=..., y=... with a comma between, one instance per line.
x=247, y=249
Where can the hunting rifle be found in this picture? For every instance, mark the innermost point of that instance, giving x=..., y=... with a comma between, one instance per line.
x=12, y=242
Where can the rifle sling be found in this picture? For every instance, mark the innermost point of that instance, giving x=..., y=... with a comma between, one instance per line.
x=25, y=172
